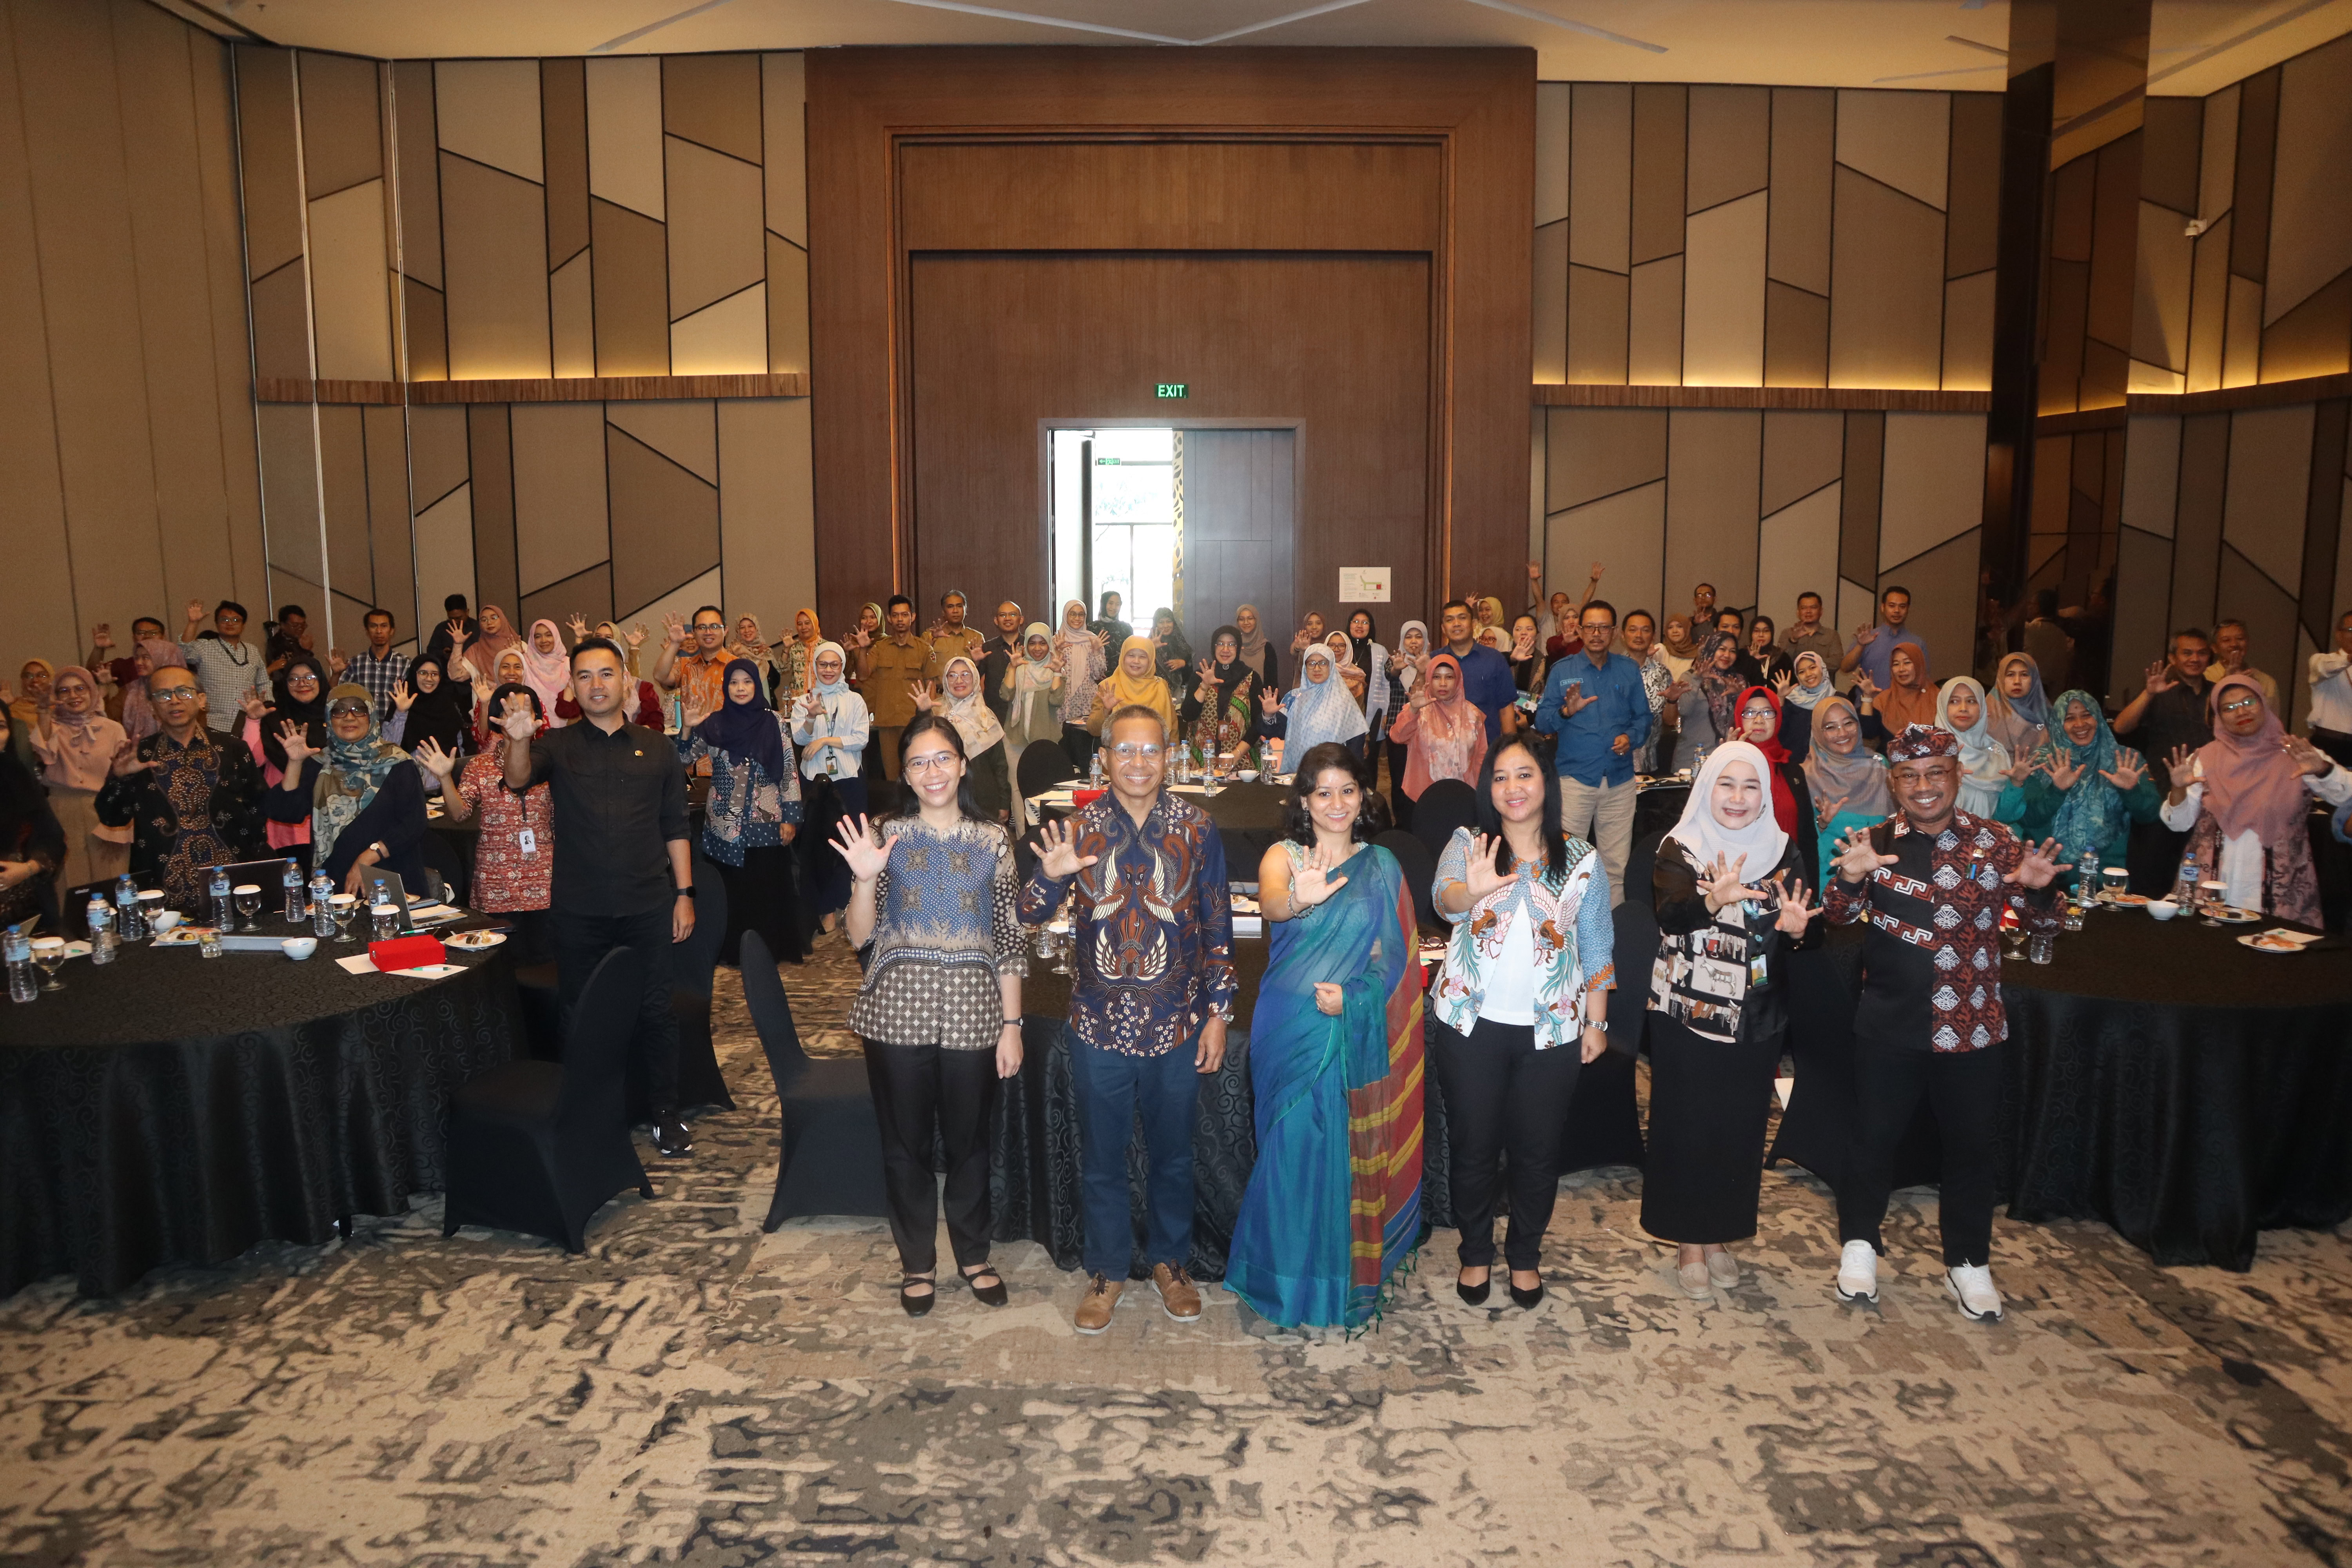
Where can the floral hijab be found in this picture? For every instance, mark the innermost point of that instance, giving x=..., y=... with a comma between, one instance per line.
x=349, y=773
x=973, y=718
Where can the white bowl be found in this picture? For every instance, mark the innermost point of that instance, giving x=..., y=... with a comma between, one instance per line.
x=2163, y=909
x=299, y=948
x=164, y=919
x=1247, y=775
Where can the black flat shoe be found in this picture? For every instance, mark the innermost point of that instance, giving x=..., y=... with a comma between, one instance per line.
x=917, y=1306
x=991, y=1294
x=1474, y=1295
x=1528, y=1300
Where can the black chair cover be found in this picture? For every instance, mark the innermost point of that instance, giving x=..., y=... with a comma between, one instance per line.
x=829, y=1155
x=1420, y=873
x=1443, y=807
x=1043, y=766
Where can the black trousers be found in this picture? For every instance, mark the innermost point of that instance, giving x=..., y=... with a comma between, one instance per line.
x=1964, y=1089
x=1709, y=1102
x=581, y=943
x=1078, y=743
x=1399, y=803
x=1502, y=1097
x=922, y=1093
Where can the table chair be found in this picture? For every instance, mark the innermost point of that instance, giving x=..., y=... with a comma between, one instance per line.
x=1420, y=869
x=1044, y=765
x=829, y=1149
x=537, y=1147
x=1443, y=807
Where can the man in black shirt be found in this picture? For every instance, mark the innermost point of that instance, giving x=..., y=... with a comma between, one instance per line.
x=2168, y=712
x=623, y=870
x=997, y=655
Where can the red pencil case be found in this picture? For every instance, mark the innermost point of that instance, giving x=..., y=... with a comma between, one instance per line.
x=1083, y=798
x=407, y=952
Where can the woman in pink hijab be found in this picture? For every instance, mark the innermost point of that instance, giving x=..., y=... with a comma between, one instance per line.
x=2244, y=798
x=547, y=666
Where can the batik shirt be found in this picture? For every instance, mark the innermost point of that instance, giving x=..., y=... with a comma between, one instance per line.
x=944, y=930
x=199, y=806
x=1154, y=925
x=1573, y=939
x=747, y=809
x=1931, y=963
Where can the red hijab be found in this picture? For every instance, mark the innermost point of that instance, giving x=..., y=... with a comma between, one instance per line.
x=1784, y=801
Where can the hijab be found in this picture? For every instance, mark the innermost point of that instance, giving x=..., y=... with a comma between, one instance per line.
x=1319, y=711
x=829, y=688
x=2025, y=725
x=1680, y=646
x=24, y=709
x=1984, y=762
x=1362, y=646
x=1490, y=614
x=1120, y=689
x=2252, y=785
x=1447, y=728
x=1803, y=693
x=1253, y=646
x=745, y=729
x=1721, y=688
x=1763, y=841
x=1237, y=680
x=973, y=719
x=1855, y=782
x=349, y=773
x=311, y=715
x=2090, y=813
x=441, y=715
x=549, y=674
x=1784, y=799
x=1899, y=706
x=80, y=744
x=816, y=629
x=484, y=649
x=1176, y=646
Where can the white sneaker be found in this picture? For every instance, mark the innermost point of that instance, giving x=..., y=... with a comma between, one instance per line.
x=1971, y=1286
x=1857, y=1275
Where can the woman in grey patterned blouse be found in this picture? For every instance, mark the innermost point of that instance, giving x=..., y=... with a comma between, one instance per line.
x=932, y=901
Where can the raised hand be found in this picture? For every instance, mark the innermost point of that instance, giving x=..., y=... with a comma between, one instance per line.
x=1856, y=860
x=1795, y=908
x=867, y=850
x=2063, y=770
x=1676, y=689
x=921, y=690
x=812, y=703
x=253, y=704
x=1865, y=636
x=1102, y=641
x=2307, y=757
x=2126, y=773
x=1597, y=569
x=1782, y=683
x=1298, y=643
x=1209, y=681
x=2038, y=867
x=1479, y=875
x=518, y=722
x=1535, y=572
x=125, y=761
x=2021, y=771
x=2159, y=677
x=296, y=742
x=2182, y=766
x=579, y=625
x=1271, y=701
x=195, y=611
x=337, y=662
x=636, y=636
x=1574, y=700
x=1312, y=883
x=1722, y=885
x=673, y=630
x=102, y=635
x=1870, y=688
x=402, y=699
x=1329, y=1000
x=438, y=762
x=1057, y=850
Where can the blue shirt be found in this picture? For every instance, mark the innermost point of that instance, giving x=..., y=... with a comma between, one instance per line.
x=1487, y=682
x=1587, y=749
x=1880, y=650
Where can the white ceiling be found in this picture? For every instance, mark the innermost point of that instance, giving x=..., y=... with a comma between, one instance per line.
x=2198, y=45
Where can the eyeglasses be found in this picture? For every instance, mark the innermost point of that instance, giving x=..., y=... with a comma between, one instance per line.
x=1130, y=751
x=174, y=694
x=937, y=761
x=2241, y=704
x=350, y=707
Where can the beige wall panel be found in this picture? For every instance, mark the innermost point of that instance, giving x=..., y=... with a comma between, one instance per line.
x=426, y=325
x=2217, y=154
x=767, y=516
x=1627, y=530
x=343, y=124
x=1601, y=175
x=37, y=593
x=1598, y=303
x=1653, y=349
x=572, y=317
x=1552, y=151
x=1802, y=452
x=495, y=254
x=1797, y=551
x=2311, y=213
x=2108, y=314
x=417, y=166
x=490, y=462
x=2242, y=592
x=1943, y=584
x=1589, y=453
x=715, y=248
x=1713, y=471
x=1549, y=305
x=2343, y=600
x=788, y=315
x=714, y=100
x=385, y=430
x=563, y=134
x=289, y=489
x=625, y=133
x=1804, y=134
x=1933, y=483
x=2143, y=592
x=2160, y=285
x=684, y=430
x=1968, y=333
x=349, y=310
x=729, y=338
x=1730, y=144
x=281, y=322
x=1886, y=290
x=444, y=548
x=1796, y=337
x=1722, y=295
x=588, y=594
x=665, y=521
x=436, y=452
x=2270, y=478
x=488, y=110
x=213, y=135
x=1972, y=192
x=2151, y=472
x=2209, y=306
x=681, y=601
x=1539, y=461
x=343, y=489
x=2242, y=346
x=1899, y=139
x=2313, y=338
x=783, y=93
x=559, y=489
x=2168, y=137
x=1660, y=137
x=632, y=288
x=268, y=147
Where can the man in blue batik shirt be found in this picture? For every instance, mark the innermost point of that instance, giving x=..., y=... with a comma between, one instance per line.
x=1594, y=707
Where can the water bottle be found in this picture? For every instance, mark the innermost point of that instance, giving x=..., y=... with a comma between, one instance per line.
x=103, y=941
x=19, y=949
x=224, y=912
x=2184, y=891
x=1094, y=770
x=130, y=924
x=292, y=878
x=322, y=915
x=387, y=917
x=2086, y=874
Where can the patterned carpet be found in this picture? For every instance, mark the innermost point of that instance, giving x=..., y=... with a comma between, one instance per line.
x=692, y=1391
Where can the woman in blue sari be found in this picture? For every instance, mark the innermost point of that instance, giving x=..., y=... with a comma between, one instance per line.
x=1335, y=1049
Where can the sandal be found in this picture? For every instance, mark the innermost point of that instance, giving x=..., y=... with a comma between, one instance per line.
x=992, y=1294
x=914, y=1305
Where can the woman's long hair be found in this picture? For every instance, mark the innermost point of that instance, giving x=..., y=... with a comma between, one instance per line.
x=910, y=804
x=1490, y=821
x=1371, y=816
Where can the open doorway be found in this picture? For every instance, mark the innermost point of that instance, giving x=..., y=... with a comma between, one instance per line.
x=1117, y=507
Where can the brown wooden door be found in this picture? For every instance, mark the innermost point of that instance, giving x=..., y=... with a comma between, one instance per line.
x=1239, y=502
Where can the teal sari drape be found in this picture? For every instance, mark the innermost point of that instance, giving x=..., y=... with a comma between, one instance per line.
x=1334, y=1201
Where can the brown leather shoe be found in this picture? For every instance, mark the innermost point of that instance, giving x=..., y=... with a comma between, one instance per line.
x=1179, y=1297
x=1094, y=1307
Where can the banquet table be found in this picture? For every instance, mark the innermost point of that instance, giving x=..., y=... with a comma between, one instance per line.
x=2161, y=1077
x=173, y=1108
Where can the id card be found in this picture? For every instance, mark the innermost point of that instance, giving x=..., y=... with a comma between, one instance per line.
x=528, y=841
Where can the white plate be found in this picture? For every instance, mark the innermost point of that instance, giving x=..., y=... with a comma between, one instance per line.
x=2263, y=941
x=180, y=936
x=475, y=941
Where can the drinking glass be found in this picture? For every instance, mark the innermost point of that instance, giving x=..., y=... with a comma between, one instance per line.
x=248, y=902
x=2013, y=942
x=2212, y=900
x=2115, y=878
x=49, y=953
x=2043, y=947
x=345, y=908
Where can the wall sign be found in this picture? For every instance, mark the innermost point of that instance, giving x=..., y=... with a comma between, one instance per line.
x=1173, y=389
x=1363, y=585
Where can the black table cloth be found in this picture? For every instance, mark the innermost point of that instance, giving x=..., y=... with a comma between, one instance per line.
x=2159, y=1076
x=169, y=1108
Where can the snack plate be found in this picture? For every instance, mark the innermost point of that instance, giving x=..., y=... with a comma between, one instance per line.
x=475, y=941
x=2270, y=942
x=2235, y=917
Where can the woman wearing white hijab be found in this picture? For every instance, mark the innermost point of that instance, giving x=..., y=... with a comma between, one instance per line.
x=1032, y=693
x=966, y=707
x=1730, y=904
x=1801, y=692
x=1988, y=775
x=830, y=726
x=1085, y=660
x=1319, y=709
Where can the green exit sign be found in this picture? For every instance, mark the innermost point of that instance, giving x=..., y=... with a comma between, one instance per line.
x=1172, y=389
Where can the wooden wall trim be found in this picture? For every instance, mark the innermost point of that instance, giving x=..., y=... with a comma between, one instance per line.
x=1898, y=399
x=2266, y=394
x=541, y=389
x=2080, y=422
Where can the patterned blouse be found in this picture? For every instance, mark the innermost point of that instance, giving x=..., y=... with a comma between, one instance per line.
x=199, y=805
x=1575, y=941
x=746, y=808
x=506, y=877
x=944, y=930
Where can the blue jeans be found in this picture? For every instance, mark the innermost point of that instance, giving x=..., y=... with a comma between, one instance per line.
x=1112, y=1087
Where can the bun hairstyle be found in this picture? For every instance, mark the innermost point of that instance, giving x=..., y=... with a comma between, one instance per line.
x=1298, y=826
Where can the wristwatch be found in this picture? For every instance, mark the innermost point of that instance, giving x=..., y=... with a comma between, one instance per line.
x=1599, y=1024
x=1015, y=1023
x=686, y=892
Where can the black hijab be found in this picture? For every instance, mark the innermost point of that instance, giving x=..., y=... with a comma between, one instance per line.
x=311, y=715
x=1230, y=675
x=1362, y=646
x=441, y=714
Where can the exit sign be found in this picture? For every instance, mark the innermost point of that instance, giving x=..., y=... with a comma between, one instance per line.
x=1172, y=389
